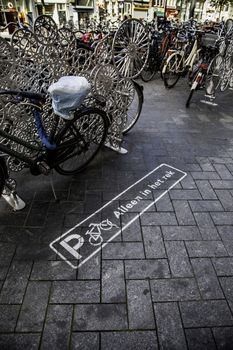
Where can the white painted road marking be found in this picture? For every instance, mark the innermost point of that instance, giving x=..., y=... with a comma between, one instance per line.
x=142, y=191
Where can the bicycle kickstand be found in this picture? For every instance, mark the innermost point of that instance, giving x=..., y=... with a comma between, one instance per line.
x=11, y=197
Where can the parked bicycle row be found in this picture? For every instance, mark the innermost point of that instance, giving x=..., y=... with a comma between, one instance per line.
x=202, y=54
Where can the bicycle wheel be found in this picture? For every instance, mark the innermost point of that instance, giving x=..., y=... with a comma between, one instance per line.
x=172, y=70
x=214, y=75
x=135, y=105
x=130, y=48
x=85, y=134
x=149, y=70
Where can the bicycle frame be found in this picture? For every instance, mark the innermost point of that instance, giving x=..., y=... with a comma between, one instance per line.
x=54, y=160
x=185, y=63
x=189, y=61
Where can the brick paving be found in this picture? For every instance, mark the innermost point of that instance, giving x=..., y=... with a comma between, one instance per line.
x=167, y=281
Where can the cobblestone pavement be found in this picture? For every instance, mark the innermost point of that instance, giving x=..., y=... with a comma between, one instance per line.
x=167, y=281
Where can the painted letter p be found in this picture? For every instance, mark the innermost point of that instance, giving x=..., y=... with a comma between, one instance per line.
x=73, y=250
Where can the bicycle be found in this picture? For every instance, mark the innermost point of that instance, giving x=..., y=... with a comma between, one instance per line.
x=181, y=62
x=208, y=51
x=157, y=52
x=69, y=146
x=95, y=231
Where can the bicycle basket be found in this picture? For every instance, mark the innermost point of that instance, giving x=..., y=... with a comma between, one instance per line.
x=209, y=39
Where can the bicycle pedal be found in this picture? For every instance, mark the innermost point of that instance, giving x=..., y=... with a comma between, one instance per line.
x=44, y=168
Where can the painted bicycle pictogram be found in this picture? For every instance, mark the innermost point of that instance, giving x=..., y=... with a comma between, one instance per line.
x=96, y=230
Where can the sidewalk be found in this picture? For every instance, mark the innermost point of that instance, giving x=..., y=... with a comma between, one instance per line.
x=167, y=281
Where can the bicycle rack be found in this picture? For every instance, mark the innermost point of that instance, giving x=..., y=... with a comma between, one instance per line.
x=119, y=149
x=210, y=102
x=13, y=200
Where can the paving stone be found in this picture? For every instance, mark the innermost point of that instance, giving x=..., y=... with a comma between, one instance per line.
x=192, y=167
x=129, y=340
x=37, y=213
x=56, y=334
x=229, y=247
x=52, y=270
x=222, y=218
x=188, y=183
x=34, y=251
x=19, y=219
x=206, y=278
x=183, y=213
x=221, y=160
x=206, y=226
x=223, y=172
x=181, y=233
x=19, y=341
x=34, y=307
x=133, y=231
x=3, y=272
x=8, y=317
x=153, y=242
x=74, y=292
x=77, y=191
x=226, y=199
x=174, y=289
x=230, y=167
x=223, y=266
x=202, y=206
x=223, y=337
x=85, y=341
x=129, y=250
x=113, y=284
x=178, y=259
x=205, y=189
x=164, y=204
x=211, y=313
x=205, y=164
x=169, y=325
x=226, y=232
x=140, y=309
x=227, y=286
x=200, y=338
x=7, y=251
x=156, y=219
x=222, y=184
x=91, y=269
x=185, y=194
x=206, y=249
x=205, y=175
x=100, y=317
x=15, y=284
x=141, y=269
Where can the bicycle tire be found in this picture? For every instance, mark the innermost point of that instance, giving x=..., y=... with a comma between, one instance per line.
x=132, y=120
x=214, y=74
x=90, y=126
x=165, y=73
x=149, y=71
